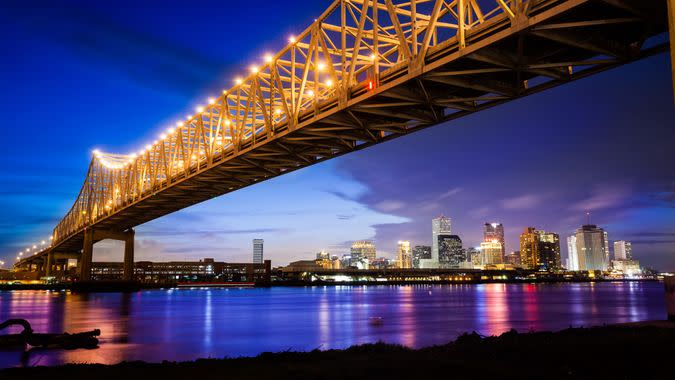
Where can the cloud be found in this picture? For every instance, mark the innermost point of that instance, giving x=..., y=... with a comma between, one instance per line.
x=389, y=205
x=521, y=203
x=449, y=193
x=604, y=197
x=480, y=212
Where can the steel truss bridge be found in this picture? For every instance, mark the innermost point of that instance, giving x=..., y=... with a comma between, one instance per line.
x=366, y=71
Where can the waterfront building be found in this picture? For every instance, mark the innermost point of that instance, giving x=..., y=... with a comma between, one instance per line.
x=363, y=250
x=539, y=249
x=323, y=255
x=450, y=251
x=592, y=248
x=623, y=250
x=440, y=227
x=491, y=253
x=258, y=251
x=404, y=255
x=572, y=254
x=513, y=258
x=494, y=231
x=206, y=270
x=627, y=267
x=474, y=256
x=420, y=252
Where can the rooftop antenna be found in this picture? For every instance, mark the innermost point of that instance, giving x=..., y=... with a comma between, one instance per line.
x=588, y=218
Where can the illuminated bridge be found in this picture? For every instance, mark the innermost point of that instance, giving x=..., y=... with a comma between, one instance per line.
x=366, y=71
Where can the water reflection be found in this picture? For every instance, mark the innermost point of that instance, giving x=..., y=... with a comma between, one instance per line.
x=189, y=323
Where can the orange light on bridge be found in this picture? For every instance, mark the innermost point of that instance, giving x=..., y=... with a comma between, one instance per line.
x=371, y=85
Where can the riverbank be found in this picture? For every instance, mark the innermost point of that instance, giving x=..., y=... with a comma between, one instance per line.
x=629, y=351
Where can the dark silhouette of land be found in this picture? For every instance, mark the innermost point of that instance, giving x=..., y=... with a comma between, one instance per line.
x=633, y=351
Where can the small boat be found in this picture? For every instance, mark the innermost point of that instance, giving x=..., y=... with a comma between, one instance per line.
x=375, y=321
x=28, y=337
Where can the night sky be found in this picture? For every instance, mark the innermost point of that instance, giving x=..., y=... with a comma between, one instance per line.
x=80, y=75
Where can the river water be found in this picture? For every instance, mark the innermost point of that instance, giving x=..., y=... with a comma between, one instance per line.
x=185, y=324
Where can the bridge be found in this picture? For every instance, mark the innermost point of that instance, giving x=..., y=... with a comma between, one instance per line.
x=364, y=72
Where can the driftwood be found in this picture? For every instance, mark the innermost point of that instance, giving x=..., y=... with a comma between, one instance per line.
x=27, y=336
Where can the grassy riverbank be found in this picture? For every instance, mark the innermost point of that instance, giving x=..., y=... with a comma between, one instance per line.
x=638, y=351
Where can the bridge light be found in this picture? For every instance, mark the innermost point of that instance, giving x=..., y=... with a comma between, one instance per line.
x=370, y=85
x=329, y=83
x=42, y=242
x=310, y=93
x=97, y=152
x=170, y=130
x=224, y=92
x=162, y=136
x=321, y=66
x=227, y=122
x=34, y=246
x=133, y=155
x=199, y=109
x=268, y=58
x=372, y=57
x=237, y=80
x=212, y=100
x=179, y=124
x=277, y=111
x=254, y=69
x=291, y=39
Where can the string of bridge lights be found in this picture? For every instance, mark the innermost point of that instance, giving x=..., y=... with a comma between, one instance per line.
x=34, y=249
x=119, y=161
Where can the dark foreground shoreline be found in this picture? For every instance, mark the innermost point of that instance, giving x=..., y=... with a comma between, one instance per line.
x=630, y=351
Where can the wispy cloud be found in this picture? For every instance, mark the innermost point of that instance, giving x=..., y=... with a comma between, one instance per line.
x=521, y=202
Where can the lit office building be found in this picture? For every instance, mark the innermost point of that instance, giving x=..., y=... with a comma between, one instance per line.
x=494, y=231
x=258, y=251
x=513, y=258
x=404, y=256
x=623, y=250
x=592, y=248
x=572, y=255
x=474, y=256
x=363, y=249
x=539, y=249
x=440, y=227
x=627, y=267
x=491, y=252
x=420, y=252
x=450, y=252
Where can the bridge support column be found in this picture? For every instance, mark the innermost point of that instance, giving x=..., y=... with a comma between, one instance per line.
x=671, y=26
x=87, y=253
x=129, y=255
x=50, y=263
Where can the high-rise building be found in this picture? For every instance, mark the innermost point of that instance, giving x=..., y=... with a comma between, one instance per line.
x=491, y=252
x=440, y=227
x=473, y=256
x=539, y=249
x=420, y=252
x=513, y=258
x=363, y=249
x=572, y=254
x=404, y=257
x=258, y=251
x=623, y=250
x=592, y=248
x=494, y=231
x=450, y=252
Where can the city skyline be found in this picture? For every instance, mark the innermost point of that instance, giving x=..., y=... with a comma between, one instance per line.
x=359, y=196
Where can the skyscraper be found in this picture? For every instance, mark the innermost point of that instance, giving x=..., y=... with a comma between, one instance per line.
x=404, y=256
x=440, y=226
x=592, y=248
x=491, y=252
x=450, y=252
x=623, y=250
x=513, y=258
x=258, y=251
x=420, y=252
x=572, y=254
x=539, y=249
x=363, y=249
x=494, y=231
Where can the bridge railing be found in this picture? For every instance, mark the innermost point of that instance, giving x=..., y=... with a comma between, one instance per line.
x=353, y=47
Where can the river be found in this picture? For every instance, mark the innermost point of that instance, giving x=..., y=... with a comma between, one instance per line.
x=185, y=324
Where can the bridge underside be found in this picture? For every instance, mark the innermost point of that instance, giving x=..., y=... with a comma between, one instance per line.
x=505, y=60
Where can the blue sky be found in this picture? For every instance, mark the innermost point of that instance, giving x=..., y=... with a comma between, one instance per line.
x=81, y=75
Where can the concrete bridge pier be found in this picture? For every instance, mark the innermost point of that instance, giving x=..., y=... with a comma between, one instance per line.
x=92, y=236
